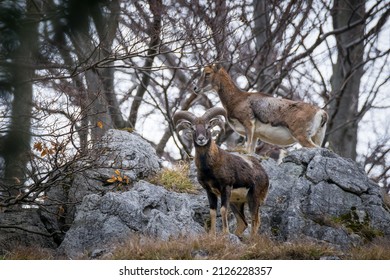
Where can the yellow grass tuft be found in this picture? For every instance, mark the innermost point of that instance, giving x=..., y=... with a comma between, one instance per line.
x=175, y=178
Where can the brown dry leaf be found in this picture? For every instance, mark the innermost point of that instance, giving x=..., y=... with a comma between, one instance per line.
x=100, y=124
x=113, y=179
x=44, y=153
x=38, y=146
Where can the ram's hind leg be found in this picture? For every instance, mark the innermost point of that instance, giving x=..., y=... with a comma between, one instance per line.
x=303, y=136
x=306, y=142
x=302, y=133
x=238, y=211
x=225, y=197
x=254, y=206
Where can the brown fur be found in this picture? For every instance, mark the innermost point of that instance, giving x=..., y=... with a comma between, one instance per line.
x=219, y=172
x=222, y=173
x=259, y=115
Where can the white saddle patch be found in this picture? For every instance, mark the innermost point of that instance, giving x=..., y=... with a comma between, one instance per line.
x=237, y=126
x=278, y=135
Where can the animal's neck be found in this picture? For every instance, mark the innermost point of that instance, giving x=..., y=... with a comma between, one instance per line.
x=206, y=155
x=228, y=92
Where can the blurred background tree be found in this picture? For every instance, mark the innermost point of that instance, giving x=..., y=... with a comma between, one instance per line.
x=70, y=70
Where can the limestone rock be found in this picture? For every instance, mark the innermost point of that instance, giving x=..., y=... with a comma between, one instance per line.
x=119, y=150
x=23, y=227
x=314, y=195
x=318, y=195
x=146, y=209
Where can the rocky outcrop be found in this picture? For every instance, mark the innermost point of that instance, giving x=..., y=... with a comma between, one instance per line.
x=85, y=181
x=119, y=150
x=315, y=194
x=23, y=227
x=146, y=209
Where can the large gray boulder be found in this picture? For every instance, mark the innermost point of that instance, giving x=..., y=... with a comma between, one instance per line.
x=146, y=209
x=117, y=150
x=317, y=195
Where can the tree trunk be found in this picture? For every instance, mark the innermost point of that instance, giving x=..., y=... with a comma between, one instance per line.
x=155, y=30
x=100, y=104
x=96, y=104
x=262, y=32
x=106, y=27
x=345, y=81
x=16, y=146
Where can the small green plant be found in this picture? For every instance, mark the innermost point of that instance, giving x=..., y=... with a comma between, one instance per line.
x=356, y=225
x=175, y=178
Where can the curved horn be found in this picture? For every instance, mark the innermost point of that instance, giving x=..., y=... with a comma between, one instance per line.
x=217, y=122
x=183, y=115
x=213, y=112
x=183, y=125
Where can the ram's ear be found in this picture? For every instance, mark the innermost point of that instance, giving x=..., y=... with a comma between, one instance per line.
x=216, y=66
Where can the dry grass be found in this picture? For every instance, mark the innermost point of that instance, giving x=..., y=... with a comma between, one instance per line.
x=386, y=200
x=175, y=179
x=207, y=247
x=220, y=248
x=379, y=249
x=28, y=253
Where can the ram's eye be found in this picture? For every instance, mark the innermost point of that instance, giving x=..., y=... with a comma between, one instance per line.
x=207, y=75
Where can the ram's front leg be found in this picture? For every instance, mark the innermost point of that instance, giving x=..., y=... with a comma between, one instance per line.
x=225, y=198
x=213, y=203
x=250, y=136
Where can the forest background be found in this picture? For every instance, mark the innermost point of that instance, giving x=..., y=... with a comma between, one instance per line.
x=70, y=70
